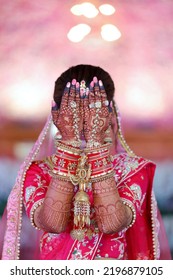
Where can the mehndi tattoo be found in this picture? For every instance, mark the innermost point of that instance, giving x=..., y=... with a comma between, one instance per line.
x=111, y=214
x=67, y=117
x=96, y=114
x=55, y=212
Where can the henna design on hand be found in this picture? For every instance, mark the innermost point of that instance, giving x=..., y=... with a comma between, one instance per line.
x=55, y=212
x=96, y=119
x=111, y=214
x=63, y=117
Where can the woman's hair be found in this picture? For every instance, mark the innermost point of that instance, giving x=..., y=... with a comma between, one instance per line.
x=83, y=72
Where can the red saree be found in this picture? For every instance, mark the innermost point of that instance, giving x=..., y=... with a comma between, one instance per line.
x=146, y=239
x=134, y=177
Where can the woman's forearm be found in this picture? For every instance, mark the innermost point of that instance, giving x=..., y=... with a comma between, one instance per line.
x=53, y=215
x=111, y=214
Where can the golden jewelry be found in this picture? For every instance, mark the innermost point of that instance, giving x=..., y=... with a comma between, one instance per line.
x=81, y=199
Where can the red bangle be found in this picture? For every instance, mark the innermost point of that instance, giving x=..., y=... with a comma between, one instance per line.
x=101, y=163
x=64, y=161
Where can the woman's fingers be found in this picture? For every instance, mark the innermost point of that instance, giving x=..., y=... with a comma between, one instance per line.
x=103, y=94
x=96, y=88
x=77, y=92
x=54, y=106
x=55, y=112
x=72, y=90
x=64, y=101
x=91, y=96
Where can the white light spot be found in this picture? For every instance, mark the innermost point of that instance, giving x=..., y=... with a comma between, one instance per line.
x=77, y=10
x=78, y=32
x=86, y=9
x=107, y=9
x=110, y=32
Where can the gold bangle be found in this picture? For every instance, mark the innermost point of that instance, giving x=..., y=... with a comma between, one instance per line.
x=102, y=177
x=97, y=149
x=132, y=208
x=66, y=148
x=60, y=176
x=33, y=209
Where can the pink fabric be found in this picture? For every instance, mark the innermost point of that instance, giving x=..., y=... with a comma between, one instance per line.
x=61, y=246
x=13, y=222
x=134, y=178
x=130, y=172
x=36, y=184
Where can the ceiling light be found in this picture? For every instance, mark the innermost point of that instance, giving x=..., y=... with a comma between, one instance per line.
x=77, y=10
x=107, y=9
x=78, y=32
x=89, y=10
x=86, y=9
x=110, y=32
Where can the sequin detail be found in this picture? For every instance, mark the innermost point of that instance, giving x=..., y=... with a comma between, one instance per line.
x=29, y=191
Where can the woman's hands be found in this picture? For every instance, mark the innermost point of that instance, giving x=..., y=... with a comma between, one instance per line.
x=86, y=112
x=83, y=111
x=68, y=118
x=97, y=114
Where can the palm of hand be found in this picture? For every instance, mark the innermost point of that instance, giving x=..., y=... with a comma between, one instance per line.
x=90, y=115
x=97, y=116
x=67, y=118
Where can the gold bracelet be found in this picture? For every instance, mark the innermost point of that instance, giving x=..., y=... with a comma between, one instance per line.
x=66, y=148
x=102, y=177
x=59, y=176
x=33, y=209
x=102, y=148
x=132, y=208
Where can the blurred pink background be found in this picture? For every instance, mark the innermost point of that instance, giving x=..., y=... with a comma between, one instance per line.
x=35, y=49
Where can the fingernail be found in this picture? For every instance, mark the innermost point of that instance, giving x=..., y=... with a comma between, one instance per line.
x=92, y=84
x=100, y=83
x=73, y=82
x=68, y=85
x=110, y=106
x=95, y=80
x=54, y=106
x=53, y=103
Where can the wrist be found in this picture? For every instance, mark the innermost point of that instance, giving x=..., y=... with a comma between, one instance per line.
x=74, y=143
x=62, y=187
x=100, y=161
x=107, y=187
x=65, y=160
x=64, y=146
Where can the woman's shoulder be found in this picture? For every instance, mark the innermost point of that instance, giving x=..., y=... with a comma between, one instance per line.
x=131, y=161
x=42, y=165
x=125, y=165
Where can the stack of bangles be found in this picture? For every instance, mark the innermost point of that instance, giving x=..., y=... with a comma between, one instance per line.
x=100, y=161
x=81, y=167
x=66, y=161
